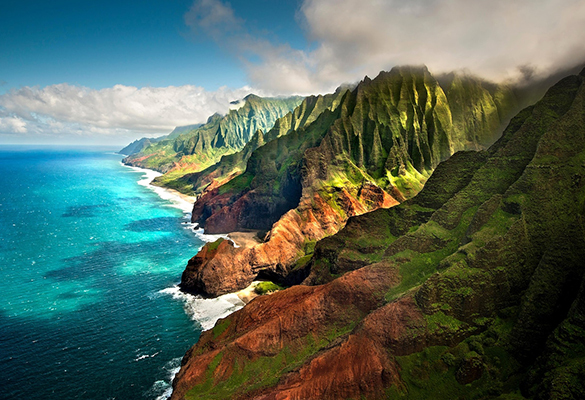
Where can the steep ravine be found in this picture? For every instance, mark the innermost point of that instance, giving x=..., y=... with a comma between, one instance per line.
x=473, y=289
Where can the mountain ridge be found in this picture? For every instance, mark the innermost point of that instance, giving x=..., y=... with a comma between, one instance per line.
x=140, y=144
x=234, y=164
x=203, y=146
x=474, y=288
x=374, y=150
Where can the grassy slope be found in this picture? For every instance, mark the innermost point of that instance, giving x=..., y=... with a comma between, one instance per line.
x=234, y=164
x=504, y=254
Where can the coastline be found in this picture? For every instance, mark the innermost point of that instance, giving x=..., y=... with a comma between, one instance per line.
x=204, y=312
x=178, y=199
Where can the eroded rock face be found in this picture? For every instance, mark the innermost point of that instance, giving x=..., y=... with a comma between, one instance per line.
x=284, y=322
x=342, y=340
x=228, y=269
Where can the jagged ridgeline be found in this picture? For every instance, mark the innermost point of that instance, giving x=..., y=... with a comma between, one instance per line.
x=473, y=289
x=375, y=149
x=234, y=164
x=138, y=145
x=388, y=133
x=203, y=146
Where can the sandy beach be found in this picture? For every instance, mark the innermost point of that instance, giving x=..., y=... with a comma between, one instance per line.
x=245, y=239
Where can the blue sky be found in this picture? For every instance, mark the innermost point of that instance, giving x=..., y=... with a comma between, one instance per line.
x=100, y=44
x=105, y=72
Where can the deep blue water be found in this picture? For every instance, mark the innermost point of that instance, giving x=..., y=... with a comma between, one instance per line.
x=86, y=254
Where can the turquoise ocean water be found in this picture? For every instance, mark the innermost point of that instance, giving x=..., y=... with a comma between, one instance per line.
x=88, y=262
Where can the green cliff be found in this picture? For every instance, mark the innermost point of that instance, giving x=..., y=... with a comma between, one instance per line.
x=234, y=164
x=198, y=148
x=494, y=244
x=390, y=132
x=473, y=289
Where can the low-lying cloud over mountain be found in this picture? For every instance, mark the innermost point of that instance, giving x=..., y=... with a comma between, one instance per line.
x=496, y=39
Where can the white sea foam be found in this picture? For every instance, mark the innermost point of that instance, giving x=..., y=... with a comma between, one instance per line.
x=162, y=389
x=143, y=356
x=175, y=200
x=206, y=311
x=148, y=176
x=206, y=237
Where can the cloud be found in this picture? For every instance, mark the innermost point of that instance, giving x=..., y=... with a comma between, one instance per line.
x=212, y=17
x=120, y=110
x=492, y=38
x=497, y=39
x=12, y=125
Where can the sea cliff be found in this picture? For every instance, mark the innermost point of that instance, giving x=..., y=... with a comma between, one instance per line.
x=375, y=149
x=474, y=288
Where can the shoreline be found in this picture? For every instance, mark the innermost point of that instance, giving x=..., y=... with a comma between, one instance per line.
x=183, y=196
x=204, y=312
x=178, y=199
x=185, y=203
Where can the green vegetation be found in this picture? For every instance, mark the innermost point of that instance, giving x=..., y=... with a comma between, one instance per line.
x=388, y=133
x=489, y=301
x=212, y=246
x=266, y=287
x=195, y=178
x=203, y=146
x=492, y=257
x=220, y=327
x=248, y=376
x=441, y=372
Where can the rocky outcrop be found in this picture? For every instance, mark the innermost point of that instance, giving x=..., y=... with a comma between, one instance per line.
x=475, y=290
x=229, y=269
x=375, y=149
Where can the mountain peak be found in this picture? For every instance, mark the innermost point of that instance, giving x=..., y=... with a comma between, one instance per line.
x=252, y=97
x=214, y=117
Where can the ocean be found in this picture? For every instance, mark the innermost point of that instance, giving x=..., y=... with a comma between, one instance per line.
x=90, y=256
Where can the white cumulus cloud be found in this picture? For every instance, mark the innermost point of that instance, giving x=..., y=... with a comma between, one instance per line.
x=118, y=111
x=12, y=125
x=496, y=39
